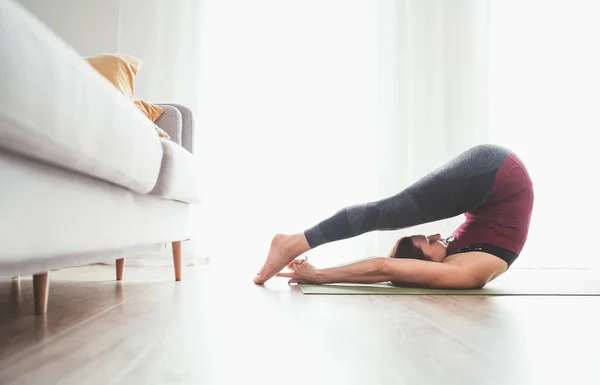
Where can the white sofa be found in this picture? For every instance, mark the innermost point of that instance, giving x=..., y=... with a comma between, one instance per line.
x=84, y=176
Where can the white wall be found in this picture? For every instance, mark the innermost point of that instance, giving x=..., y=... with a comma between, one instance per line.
x=163, y=35
x=91, y=27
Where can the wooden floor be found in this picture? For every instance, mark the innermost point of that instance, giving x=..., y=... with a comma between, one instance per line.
x=216, y=327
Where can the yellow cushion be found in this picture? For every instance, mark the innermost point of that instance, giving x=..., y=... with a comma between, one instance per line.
x=121, y=71
x=152, y=111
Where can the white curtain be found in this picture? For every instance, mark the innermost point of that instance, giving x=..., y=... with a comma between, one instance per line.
x=545, y=98
x=311, y=106
x=305, y=107
x=166, y=36
x=433, y=68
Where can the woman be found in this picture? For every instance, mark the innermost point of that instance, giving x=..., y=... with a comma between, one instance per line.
x=487, y=183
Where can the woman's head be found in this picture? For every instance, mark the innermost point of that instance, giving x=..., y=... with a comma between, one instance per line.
x=431, y=248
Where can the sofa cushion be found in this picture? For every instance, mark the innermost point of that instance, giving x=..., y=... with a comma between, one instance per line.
x=55, y=108
x=52, y=218
x=178, y=178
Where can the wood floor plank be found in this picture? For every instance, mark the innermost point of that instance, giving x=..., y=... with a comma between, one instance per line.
x=94, y=352
x=276, y=335
x=217, y=327
x=534, y=340
x=70, y=304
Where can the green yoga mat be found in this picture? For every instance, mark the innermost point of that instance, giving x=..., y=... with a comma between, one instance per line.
x=522, y=284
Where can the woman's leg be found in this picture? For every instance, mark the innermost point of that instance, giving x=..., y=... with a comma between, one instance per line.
x=460, y=185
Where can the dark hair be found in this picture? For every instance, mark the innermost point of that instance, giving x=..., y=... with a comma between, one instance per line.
x=405, y=248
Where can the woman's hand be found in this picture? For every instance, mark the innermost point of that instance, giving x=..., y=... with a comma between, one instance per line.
x=302, y=272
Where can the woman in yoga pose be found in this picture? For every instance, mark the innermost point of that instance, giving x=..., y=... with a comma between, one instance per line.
x=487, y=183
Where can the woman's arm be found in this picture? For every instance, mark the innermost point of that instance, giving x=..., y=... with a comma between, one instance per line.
x=403, y=272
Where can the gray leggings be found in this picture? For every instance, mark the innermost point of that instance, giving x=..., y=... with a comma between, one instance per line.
x=459, y=186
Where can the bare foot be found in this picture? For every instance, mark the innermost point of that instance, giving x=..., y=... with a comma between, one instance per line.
x=284, y=249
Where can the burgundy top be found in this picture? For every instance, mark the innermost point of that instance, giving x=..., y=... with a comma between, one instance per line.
x=503, y=220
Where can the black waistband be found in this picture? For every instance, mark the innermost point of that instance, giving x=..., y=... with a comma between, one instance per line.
x=506, y=255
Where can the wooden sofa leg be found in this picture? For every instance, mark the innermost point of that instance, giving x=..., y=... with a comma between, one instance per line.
x=177, y=259
x=120, y=268
x=40, y=292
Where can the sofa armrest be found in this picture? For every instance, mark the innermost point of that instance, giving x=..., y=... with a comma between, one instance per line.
x=178, y=121
x=171, y=121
